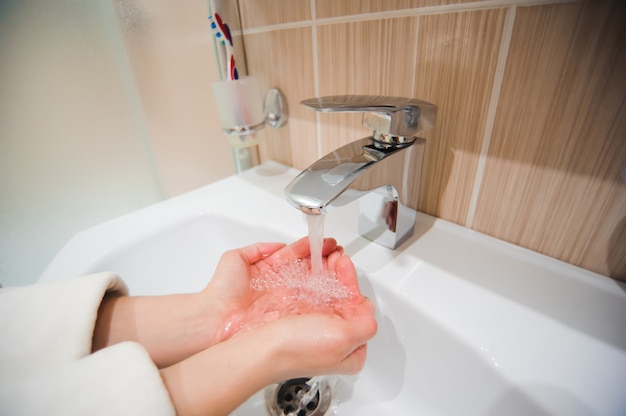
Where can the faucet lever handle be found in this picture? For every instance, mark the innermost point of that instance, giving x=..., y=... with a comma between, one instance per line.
x=398, y=117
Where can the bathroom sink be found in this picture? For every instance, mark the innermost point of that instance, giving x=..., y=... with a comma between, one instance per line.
x=181, y=257
x=467, y=324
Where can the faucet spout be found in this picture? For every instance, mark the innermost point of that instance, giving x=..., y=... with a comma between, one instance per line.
x=381, y=171
x=384, y=178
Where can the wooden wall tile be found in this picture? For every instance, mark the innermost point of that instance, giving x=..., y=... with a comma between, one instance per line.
x=229, y=12
x=288, y=66
x=256, y=13
x=366, y=58
x=455, y=70
x=552, y=179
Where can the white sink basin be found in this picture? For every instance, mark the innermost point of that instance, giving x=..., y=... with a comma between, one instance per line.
x=180, y=257
x=467, y=324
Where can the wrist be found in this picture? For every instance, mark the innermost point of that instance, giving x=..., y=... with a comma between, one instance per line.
x=217, y=380
x=205, y=321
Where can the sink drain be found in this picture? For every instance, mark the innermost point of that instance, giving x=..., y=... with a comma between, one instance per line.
x=292, y=398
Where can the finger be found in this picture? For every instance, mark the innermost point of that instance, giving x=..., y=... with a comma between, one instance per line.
x=297, y=249
x=331, y=261
x=259, y=251
x=367, y=326
x=346, y=273
x=329, y=246
x=301, y=249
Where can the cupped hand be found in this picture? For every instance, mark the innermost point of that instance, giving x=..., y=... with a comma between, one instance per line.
x=230, y=292
x=325, y=343
x=332, y=341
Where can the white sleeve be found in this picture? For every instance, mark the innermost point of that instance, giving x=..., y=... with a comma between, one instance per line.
x=118, y=380
x=49, y=324
x=46, y=365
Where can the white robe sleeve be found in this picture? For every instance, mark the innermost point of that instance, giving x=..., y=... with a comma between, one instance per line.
x=46, y=365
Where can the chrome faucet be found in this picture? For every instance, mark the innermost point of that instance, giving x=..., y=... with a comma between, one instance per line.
x=383, y=170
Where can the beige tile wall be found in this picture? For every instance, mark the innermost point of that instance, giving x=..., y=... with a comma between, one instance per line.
x=530, y=141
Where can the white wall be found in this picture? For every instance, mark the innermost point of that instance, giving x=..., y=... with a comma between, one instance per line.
x=99, y=116
x=170, y=49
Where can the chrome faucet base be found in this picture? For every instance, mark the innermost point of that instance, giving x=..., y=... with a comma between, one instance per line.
x=383, y=219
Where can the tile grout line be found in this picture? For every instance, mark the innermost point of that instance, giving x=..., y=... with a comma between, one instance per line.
x=440, y=9
x=491, y=113
x=418, y=11
x=405, y=183
x=415, y=55
x=316, y=82
x=271, y=28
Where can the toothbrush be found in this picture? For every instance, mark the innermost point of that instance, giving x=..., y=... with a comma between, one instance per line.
x=222, y=34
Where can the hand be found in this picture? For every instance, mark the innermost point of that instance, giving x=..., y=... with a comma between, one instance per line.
x=315, y=344
x=218, y=379
x=318, y=344
x=233, y=301
x=174, y=327
x=337, y=334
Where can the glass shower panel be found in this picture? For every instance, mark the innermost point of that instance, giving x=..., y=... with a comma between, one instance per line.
x=74, y=149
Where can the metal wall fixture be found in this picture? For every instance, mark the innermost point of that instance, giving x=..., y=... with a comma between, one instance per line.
x=242, y=112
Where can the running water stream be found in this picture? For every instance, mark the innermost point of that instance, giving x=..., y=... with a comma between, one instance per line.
x=316, y=241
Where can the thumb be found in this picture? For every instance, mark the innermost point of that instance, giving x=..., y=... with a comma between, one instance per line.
x=346, y=274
